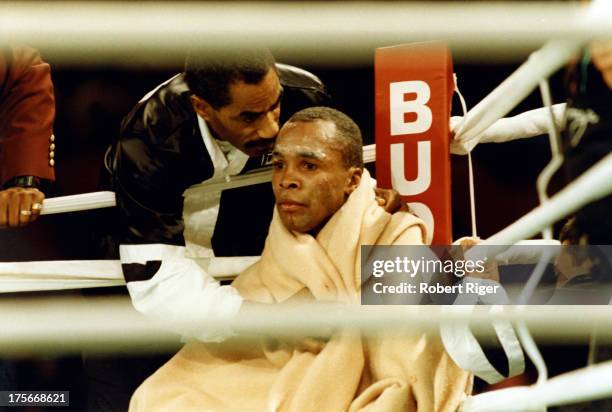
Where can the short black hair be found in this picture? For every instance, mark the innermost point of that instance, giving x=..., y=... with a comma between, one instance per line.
x=210, y=72
x=347, y=131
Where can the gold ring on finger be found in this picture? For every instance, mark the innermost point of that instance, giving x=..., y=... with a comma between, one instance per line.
x=26, y=212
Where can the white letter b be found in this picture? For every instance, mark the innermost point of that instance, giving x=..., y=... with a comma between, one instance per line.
x=399, y=107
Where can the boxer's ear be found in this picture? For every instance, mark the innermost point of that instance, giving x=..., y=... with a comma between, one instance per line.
x=353, y=180
x=201, y=107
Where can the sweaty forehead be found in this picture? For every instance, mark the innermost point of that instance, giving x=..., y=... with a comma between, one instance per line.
x=302, y=137
x=255, y=97
x=321, y=130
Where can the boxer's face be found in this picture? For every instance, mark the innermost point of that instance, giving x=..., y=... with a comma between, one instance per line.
x=310, y=180
x=250, y=121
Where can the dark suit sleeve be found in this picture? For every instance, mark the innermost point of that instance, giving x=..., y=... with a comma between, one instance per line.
x=156, y=158
x=149, y=199
x=152, y=164
x=27, y=110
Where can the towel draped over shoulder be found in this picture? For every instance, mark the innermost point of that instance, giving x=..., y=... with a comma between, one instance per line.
x=346, y=372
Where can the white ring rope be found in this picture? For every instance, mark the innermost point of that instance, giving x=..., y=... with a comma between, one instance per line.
x=76, y=203
x=543, y=180
x=127, y=33
x=556, y=155
x=80, y=274
x=470, y=167
x=591, y=383
x=97, y=200
x=64, y=325
x=529, y=252
x=541, y=64
x=592, y=185
x=522, y=126
x=524, y=334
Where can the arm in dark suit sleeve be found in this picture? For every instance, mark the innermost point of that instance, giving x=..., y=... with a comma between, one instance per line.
x=150, y=169
x=149, y=179
x=27, y=110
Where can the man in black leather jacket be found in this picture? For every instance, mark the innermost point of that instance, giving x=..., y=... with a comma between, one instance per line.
x=161, y=151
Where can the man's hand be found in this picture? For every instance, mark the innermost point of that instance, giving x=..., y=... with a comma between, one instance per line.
x=19, y=206
x=601, y=53
x=491, y=271
x=390, y=200
x=467, y=242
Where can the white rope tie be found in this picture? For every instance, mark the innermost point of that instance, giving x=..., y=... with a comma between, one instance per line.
x=523, y=331
x=472, y=197
x=470, y=167
x=557, y=157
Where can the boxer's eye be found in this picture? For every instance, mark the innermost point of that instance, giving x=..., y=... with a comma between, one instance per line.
x=249, y=118
x=309, y=166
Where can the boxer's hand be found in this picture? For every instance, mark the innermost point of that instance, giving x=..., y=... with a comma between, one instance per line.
x=19, y=206
x=601, y=53
x=390, y=200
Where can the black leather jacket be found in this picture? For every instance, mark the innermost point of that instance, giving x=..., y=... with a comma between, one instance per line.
x=160, y=153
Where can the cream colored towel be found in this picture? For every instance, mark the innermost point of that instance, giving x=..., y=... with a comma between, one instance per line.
x=345, y=373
